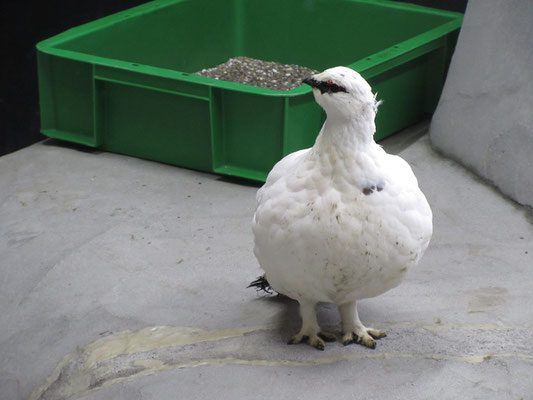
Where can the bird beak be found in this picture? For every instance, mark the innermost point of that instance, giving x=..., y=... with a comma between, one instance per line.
x=310, y=81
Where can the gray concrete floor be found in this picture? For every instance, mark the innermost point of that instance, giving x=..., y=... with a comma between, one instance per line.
x=126, y=279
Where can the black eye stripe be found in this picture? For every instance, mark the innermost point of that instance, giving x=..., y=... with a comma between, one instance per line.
x=330, y=87
x=324, y=86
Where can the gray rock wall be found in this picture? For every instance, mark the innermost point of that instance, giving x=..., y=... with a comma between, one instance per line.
x=485, y=115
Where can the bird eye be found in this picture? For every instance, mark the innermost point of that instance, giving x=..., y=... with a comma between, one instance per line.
x=330, y=87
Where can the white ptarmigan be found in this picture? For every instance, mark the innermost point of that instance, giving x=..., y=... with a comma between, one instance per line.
x=343, y=220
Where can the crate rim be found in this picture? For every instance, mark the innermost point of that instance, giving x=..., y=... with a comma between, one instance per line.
x=367, y=66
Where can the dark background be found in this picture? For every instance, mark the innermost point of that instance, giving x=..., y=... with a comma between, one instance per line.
x=24, y=23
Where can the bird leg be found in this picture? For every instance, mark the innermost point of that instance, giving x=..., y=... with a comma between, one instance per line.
x=354, y=331
x=310, y=332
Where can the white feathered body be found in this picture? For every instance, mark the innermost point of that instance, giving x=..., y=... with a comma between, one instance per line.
x=341, y=221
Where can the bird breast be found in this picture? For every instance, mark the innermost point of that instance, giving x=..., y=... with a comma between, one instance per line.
x=340, y=236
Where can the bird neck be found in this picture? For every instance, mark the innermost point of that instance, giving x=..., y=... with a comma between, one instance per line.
x=347, y=135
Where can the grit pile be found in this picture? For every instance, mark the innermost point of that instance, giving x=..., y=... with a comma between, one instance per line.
x=265, y=74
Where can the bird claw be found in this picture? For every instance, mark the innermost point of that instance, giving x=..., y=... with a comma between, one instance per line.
x=314, y=341
x=327, y=336
x=364, y=337
x=376, y=333
x=297, y=339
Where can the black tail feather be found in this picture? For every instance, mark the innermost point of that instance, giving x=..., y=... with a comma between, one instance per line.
x=261, y=283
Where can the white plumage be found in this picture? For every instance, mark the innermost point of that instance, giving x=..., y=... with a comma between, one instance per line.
x=343, y=220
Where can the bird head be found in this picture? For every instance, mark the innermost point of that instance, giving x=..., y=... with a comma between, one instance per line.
x=343, y=93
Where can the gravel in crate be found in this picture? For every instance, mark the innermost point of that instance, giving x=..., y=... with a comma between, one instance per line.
x=265, y=74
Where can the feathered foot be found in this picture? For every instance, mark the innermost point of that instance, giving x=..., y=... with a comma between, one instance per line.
x=314, y=341
x=354, y=331
x=363, y=337
x=310, y=332
x=317, y=341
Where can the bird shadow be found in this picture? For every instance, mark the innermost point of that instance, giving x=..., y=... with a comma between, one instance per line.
x=288, y=321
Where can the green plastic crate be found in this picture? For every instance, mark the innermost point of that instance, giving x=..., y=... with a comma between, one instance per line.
x=124, y=83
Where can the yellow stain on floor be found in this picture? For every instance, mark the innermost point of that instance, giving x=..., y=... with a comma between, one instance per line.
x=91, y=372
x=154, y=338
x=129, y=342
